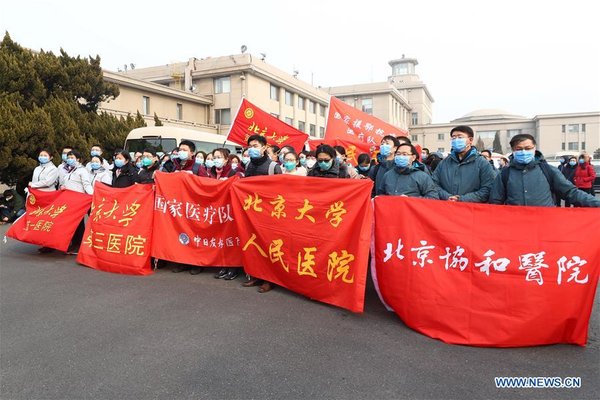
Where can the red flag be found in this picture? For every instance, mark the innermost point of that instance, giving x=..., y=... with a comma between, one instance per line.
x=118, y=235
x=353, y=148
x=313, y=239
x=193, y=218
x=346, y=122
x=487, y=275
x=251, y=120
x=51, y=218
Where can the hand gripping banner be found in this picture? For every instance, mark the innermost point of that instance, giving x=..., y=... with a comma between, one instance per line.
x=488, y=275
x=310, y=235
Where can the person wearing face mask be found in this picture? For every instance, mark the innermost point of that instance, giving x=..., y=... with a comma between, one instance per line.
x=260, y=162
x=199, y=167
x=236, y=164
x=185, y=160
x=273, y=152
x=96, y=150
x=63, y=168
x=302, y=158
x=98, y=172
x=282, y=152
x=125, y=174
x=12, y=206
x=406, y=179
x=290, y=165
x=364, y=164
x=245, y=158
x=464, y=175
x=168, y=161
x=327, y=166
x=584, y=174
x=221, y=168
x=387, y=149
x=311, y=160
x=530, y=181
x=44, y=175
x=340, y=156
x=568, y=171
x=150, y=165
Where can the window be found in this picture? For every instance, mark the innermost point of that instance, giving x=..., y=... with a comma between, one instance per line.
x=289, y=121
x=367, y=106
x=222, y=85
x=582, y=145
x=321, y=131
x=441, y=137
x=312, y=106
x=582, y=127
x=511, y=133
x=289, y=98
x=563, y=145
x=415, y=118
x=223, y=116
x=274, y=93
x=441, y=149
x=322, y=109
x=300, y=103
x=313, y=130
x=414, y=138
x=179, y=111
x=563, y=129
x=301, y=126
x=145, y=105
x=573, y=128
x=573, y=146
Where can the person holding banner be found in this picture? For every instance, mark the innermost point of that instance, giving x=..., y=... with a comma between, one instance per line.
x=222, y=169
x=464, y=175
x=236, y=164
x=245, y=158
x=45, y=175
x=99, y=171
x=364, y=165
x=290, y=165
x=184, y=161
x=198, y=168
x=406, y=179
x=125, y=174
x=327, y=165
x=342, y=159
x=63, y=168
x=260, y=161
x=96, y=150
x=387, y=149
x=149, y=166
x=530, y=181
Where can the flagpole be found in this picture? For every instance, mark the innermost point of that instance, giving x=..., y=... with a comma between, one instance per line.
x=236, y=115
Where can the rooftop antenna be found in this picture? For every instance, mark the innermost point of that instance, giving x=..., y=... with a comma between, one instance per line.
x=263, y=56
x=244, y=48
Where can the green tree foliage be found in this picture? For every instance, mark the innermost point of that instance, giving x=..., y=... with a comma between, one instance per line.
x=479, y=145
x=597, y=154
x=497, y=146
x=157, y=121
x=51, y=101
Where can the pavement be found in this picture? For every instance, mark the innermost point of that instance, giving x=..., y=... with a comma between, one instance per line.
x=70, y=332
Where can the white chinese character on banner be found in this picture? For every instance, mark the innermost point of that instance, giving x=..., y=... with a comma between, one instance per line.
x=337, y=115
x=370, y=140
x=369, y=127
x=389, y=252
x=379, y=132
x=213, y=242
x=349, y=131
x=209, y=214
x=229, y=242
x=225, y=214
x=347, y=119
x=221, y=243
x=160, y=204
x=423, y=253
x=197, y=240
x=457, y=260
x=574, y=264
x=532, y=262
x=192, y=211
x=174, y=207
x=361, y=137
x=357, y=123
x=499, y=265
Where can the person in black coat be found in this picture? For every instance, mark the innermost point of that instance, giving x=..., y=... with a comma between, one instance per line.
x=125, y=173
x=150, y=164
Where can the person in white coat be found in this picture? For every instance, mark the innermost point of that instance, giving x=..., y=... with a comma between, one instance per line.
x=99, y=171
x=45, y=175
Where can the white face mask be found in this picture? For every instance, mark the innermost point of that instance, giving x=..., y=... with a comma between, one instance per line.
x=310, y=163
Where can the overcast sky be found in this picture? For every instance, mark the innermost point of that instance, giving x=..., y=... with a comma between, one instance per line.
x=526, y=57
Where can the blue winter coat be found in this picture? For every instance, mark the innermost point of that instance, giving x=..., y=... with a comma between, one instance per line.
x=411, y=182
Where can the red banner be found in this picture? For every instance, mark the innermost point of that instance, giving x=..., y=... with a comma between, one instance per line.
x=353, y=148
x=51, y=218
x=486, y=275
x=251, y=120
x=348, y=123
x=313, y=239
x=194, y=220
x=118, y=235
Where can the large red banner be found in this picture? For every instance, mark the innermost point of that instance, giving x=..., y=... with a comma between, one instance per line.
x=310, y=235
x=488, y=275
x=193, y=221
x=353, y=148
x=349, y=123
x=118, y=235
x=51, y=218
x=251, y=120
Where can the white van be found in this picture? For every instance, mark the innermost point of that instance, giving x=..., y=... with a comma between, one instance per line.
x=163, y=139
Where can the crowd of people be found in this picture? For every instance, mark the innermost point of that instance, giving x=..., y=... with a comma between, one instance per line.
x=465, y=175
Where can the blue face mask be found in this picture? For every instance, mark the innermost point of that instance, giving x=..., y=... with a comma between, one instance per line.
x=139, y=164
x=199, y=161
x=95, y=153
x=289, y=165
x=364, y=168
x=43, y=159
x=401, y=161
x=325, y=165
x=94, y=166
x=581, y=161
x=174, y=157
x=245, y=160
x=303, y=161
x=119, y=163
x=183, y=155
x=572, y=163
x=219, y=162
x=458, y=144
x=524, y=156
x=209, y=163
x=253, y=152
x=281, y=158
x=146, y=162
x=71, y=162
x=64, y=157
x=385, y=150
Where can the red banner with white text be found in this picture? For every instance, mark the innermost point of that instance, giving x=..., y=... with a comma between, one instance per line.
x=118, y=234
x=251, y=120
x=352, y=147
x=310, y=235
x=51, y=218
x=193, y=221
x=487, y=275
x=349, y=123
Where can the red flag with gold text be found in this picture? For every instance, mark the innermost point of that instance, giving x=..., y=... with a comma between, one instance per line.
x=353, y=148
x=194, y=221
x=118, y=235
x=309, y=235
x=51, y=218
x=348, y=123
x=487, y=275
x=251, y=120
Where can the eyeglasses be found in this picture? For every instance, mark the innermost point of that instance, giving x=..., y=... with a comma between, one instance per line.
x=323, y=160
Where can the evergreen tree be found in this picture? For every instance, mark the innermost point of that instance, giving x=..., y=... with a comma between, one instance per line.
x=497, y=146
x=157, y=121
x=479, y=145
